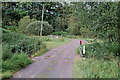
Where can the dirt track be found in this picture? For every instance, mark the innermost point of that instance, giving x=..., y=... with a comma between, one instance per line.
x=57, y=63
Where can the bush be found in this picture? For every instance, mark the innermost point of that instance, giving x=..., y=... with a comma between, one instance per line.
x=11, y=28
x=60, y=33
x=11, y=37
x=9, y=65
x=30, y=44
x=6, y=52
x=20, y=42
x=102, y=50
x=7, y=74
x=24, y=22
x=34, y=28
x=16, y=62
x=21, y=59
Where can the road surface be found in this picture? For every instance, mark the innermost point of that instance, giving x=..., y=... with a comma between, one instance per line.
x=56, y=63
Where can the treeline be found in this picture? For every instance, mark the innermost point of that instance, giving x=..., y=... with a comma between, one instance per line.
x=87, y=19
x=17, y=16
x=101, y=19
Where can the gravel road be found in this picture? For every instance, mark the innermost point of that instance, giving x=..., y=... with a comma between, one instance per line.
x=56, y=63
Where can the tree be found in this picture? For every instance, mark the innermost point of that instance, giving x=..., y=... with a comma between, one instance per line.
x=74, y=26
x=24, y=22
x=34, y=28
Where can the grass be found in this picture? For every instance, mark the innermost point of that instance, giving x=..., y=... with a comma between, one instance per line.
x=100, y=62
x=92, y=68
x=50, y=43
x=55, y=43
x=40, y=52
x=77, y=50
x=7, y=74
x=16, y=62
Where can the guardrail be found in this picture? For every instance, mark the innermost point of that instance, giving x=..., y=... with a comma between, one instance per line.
x=27, y=49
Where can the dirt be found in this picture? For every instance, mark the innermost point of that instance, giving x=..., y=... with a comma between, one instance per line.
x=56, y=63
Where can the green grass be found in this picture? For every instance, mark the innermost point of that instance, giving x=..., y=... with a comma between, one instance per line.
x=101, y=62
x=7, y=74
x=16, y=62
x=40, y=52
x=92, y=68
x=52, y=42
x=77, y=50
x=55, y=43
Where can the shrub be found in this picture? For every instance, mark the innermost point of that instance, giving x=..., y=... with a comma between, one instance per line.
x=60, y=33
x=11, y=37
x=17, y=61
x=11, y=28
x=48, y=39
x=20, y=42
x=29, y=44
x=9, y=65
x=102, y=50
x=34, y=28
x=24, y=22
x=6, y=52
x=21, y=59
x=7, y=74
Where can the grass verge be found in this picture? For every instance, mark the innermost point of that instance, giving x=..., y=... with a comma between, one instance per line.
x=92, y=68
x=13, y=64
x=40, y=52
x=49, y=43
x=55, y=43
x=101, y=61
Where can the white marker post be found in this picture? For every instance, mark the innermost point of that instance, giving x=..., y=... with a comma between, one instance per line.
x=81, y=49
x=84, y=49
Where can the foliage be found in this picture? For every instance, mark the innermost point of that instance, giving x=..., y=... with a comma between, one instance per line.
x=7, y=74
x=11, y=37
x=99, y=19
x=34, y=28
x=92, y=68
x=60, y=24
x=11, y=28
x=24, y=22
x=17, y=61
x=18, y=42
x=60, y=33
x=14, y=11
x=102, y=50
x=40, y=52
x=6, y=52
x=77, y=50
x=73, y=26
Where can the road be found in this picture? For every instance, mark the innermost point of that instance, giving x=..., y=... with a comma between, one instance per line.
x=56, y=63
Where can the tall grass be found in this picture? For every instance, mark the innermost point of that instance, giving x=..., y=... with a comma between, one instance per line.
x=16, y=62
x=101, y=61
x=92, y=68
